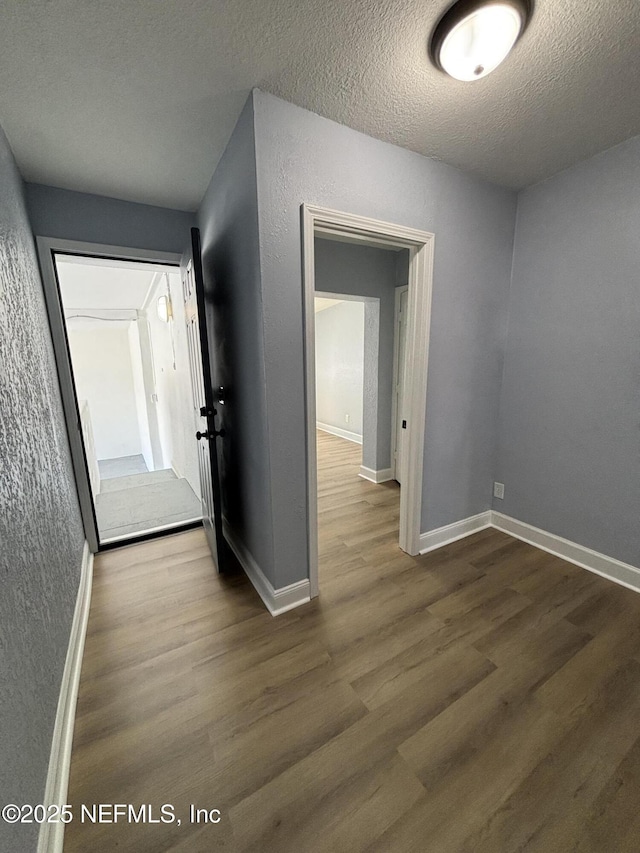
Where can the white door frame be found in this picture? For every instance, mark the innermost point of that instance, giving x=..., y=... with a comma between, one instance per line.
x=396, y=355
x=361, y=229
x=47, y=248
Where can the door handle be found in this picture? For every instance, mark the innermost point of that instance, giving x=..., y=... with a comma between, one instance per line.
x=213, y=434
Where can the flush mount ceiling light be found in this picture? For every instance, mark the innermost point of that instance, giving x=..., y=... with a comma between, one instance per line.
x=474, y=36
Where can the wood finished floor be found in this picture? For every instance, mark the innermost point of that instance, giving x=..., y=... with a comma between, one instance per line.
x=485, y=697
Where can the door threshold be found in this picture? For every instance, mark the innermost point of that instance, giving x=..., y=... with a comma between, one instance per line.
x=152, y=533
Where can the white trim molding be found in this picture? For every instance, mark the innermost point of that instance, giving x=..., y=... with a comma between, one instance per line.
x=51, y=836
x=382, y=476
x=372, y=232
x=277, y=601
x=607, y=567
x=452, y=532
x=341, y=433
x=398, y=382
x=600, y=564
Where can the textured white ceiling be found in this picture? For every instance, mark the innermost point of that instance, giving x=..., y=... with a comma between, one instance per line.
x=137, y=98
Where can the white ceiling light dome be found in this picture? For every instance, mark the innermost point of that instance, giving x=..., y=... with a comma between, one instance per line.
x=474, y=36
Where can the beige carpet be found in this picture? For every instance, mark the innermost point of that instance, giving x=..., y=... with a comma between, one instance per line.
x=140, y=502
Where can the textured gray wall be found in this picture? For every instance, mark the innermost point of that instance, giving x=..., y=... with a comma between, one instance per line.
x=365, y=271
x=305, y=158
x=41, y=536
x=96, y=219
x=228, y=221
x=569, y=451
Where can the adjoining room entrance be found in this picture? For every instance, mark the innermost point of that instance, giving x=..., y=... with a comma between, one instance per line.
x=358, y=378
x=126, y=335
x=132, y=349
x=395, y=390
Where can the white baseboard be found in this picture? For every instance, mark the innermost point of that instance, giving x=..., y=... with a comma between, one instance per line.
x=51, y=836
x=608, y=567
x=382, y=476
x=341, y=433
x=452, y=532
x=277, y=601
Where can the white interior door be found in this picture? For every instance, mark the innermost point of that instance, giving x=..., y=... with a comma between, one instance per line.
x=402, y=297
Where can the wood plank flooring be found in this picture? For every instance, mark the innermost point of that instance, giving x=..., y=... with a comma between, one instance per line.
x=484, y=697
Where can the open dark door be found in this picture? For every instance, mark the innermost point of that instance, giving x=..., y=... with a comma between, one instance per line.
x=204, y=401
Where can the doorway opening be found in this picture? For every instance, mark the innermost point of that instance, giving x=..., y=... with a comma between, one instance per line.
x=127, y=344
x=122, y=349
x=394, y=356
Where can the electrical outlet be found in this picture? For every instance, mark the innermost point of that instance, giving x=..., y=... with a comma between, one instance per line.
x=498, y=490
x=346, y=419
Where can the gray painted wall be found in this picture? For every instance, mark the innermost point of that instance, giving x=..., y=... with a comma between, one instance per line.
x=41, y=536
x=569, y=453
x=365, y=271
x=302, y=157
x=96, y=219
x=228, y=220
x=340, y=366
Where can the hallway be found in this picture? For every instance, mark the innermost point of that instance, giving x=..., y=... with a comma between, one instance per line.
x=487, y=682
x=352, y=512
